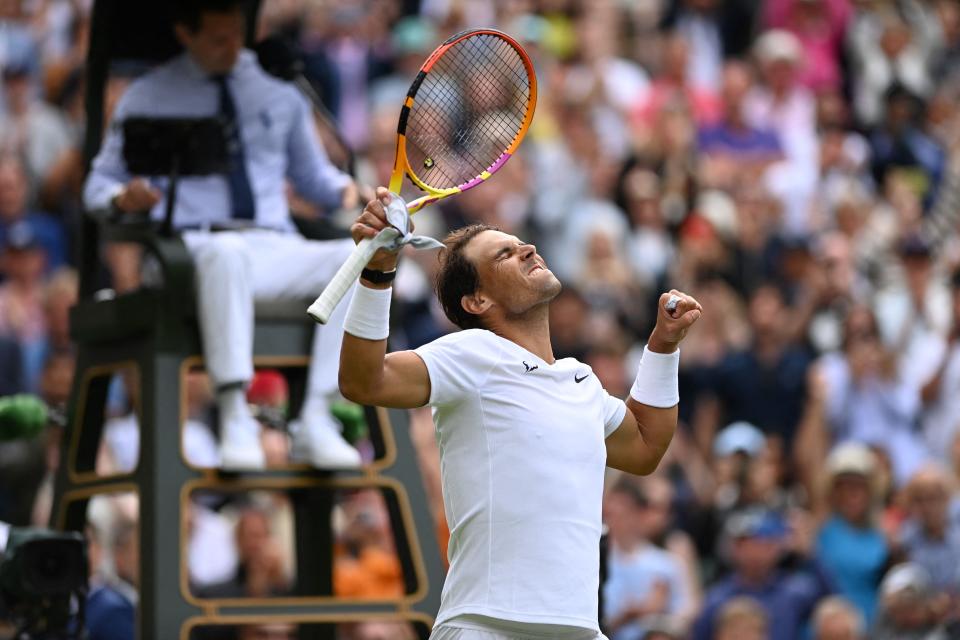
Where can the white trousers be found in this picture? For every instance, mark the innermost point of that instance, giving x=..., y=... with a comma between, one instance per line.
x=236, y=268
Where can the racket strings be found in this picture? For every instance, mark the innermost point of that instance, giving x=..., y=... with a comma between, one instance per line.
x=469, y=109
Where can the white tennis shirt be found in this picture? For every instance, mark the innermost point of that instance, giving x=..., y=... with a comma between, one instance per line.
x=522, y=459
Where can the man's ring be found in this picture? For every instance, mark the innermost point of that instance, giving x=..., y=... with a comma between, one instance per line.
x=672, y=303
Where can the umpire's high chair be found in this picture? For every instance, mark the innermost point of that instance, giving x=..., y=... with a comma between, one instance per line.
x=153, y=332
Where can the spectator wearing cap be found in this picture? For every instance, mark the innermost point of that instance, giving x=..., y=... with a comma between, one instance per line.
x=931, y=537
x=835, y=618
x=643, y=580
x=737, y=450
x=780, y=103
x=14, y=193
x=758, y=540
x=901, y=150
x=941, y=402
x=913, y=313
x=22, y=262
x=910, y=609
x=850, y=546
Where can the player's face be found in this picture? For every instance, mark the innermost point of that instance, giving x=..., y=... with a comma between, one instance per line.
x=216, y=44
x=511, y=272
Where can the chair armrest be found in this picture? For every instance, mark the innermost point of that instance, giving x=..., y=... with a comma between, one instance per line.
x=175, y=260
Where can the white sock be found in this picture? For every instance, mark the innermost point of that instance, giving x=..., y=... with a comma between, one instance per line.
x=316, y=410
x=235, y=415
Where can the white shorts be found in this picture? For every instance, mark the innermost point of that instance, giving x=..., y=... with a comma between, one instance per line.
x=459, y=629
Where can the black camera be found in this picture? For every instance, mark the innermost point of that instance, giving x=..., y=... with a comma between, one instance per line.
x=43, y=583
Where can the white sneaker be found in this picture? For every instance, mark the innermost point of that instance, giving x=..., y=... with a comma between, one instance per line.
x=319, y=443
x=240, y=448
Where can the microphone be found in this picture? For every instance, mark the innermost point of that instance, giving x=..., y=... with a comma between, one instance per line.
x=25, y=416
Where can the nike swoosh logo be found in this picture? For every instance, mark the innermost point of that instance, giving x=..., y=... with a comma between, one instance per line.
x=579, y=380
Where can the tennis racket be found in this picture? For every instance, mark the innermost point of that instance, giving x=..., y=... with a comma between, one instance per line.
x=464, y=116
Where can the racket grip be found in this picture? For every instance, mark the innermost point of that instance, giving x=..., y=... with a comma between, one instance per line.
x=348, y=273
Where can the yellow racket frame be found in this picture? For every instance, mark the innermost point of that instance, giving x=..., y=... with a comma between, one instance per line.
x=401, y=165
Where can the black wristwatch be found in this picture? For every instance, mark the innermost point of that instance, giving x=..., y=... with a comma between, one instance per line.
x=378, y=277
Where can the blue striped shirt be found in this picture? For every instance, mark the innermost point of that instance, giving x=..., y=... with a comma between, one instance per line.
x=276, y=126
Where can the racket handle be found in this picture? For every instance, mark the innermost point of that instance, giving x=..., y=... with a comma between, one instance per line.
x=348, y=273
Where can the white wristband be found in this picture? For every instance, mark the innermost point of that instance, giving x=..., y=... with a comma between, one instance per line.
x=369, y=314
x=657, y=379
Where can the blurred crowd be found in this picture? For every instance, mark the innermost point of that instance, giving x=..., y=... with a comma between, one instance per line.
x=793, y=164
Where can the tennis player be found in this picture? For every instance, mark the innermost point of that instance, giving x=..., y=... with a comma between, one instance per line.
x=524, y=438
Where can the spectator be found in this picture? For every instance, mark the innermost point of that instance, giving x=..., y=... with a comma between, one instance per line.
x=22, y=262
x=909, y=608
x=275, y=139
x=365, y=562
x=746, y=471
x=765, y=383
x=931, y=538
x=787, y=597
x=642, y=579
x=742, y=618
x=14, y=189
x=820, y=26
x=941, y=418
x=865, y=398
x=782, y=105
x=837, y=619
x=914, y=313
x=849, y=545
x=120, y=446
x=112, y=604
x=673, y=83
x=735, y=151
x=886, y=52
x=31, y=128
x=715, y=31
x=59, y=296
x=260, y=571
x=901, y=150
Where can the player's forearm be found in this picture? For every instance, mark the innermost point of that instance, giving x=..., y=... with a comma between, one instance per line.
x=656, y=427
x=361, y=368
x=368, y=374
x=364, y=348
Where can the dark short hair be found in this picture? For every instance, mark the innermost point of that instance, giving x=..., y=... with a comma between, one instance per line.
x=458, y=276
x=190, y=12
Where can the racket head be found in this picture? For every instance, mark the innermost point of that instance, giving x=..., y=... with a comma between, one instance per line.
x=465, y=114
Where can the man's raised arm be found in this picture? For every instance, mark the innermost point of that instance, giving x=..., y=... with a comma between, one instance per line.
x=368, y=374
x=641, y=440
